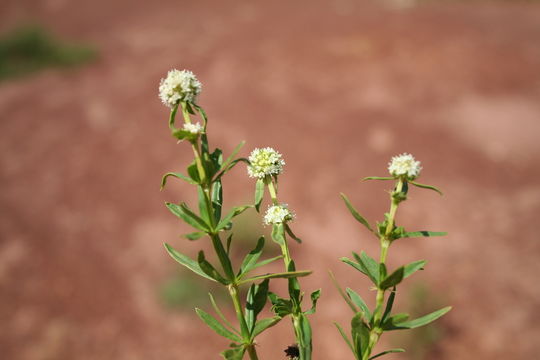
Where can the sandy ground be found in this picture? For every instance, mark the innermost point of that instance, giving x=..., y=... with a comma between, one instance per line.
x=338, y=87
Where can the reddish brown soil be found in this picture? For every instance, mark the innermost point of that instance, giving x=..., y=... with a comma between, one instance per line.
x=338, y=87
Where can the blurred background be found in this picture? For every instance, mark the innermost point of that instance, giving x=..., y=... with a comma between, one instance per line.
x=338, y=87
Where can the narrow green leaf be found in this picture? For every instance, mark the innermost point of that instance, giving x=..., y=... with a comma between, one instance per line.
x=281, y=307
x=389, y=304
x=378, y=178
x=210, y=270
x=424, y=320
x=430, y=187
x=176, y=175
x=359, y=302
x=393, y=279
x=220, y=314
x=259, y=193
x=172, y=116
x=304, y=340
x=344, y=336
x=342, y=293
x=233, y=154
x=187, y=262
x=234, y=212
x=217, y=326
x=264, y=324
x=355, y=213
x=366, y=265
x=413, y=267
x=284, y=275
x=203, y=207
x=359, y=334
x=183, y=212
x=394, y=321
x=423, y=233
x=291, y=234
x=229, y=241
x=256, y=299
x=193, y=172
x=251, y=259
x=278, y=233
x=387, y=352
x=314, y=298
x=236, y=353
x=266, y=261
x=194, y=235
x=217, y=200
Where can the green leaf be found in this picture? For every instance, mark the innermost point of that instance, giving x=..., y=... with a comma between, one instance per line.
x=304, y=340
x=229, y=159
x=220, y=314
x=278, y=233
x=172, y=116
x=283, y=275
x=187, y=262
x=422, y=234
x=256, y=299
x=378, y=178
x=387, y=352
x=389, y=304
x=359, y=334
x=264, y=324
x=236, y=353
x=424, y=320
x=194, y=235
x=267, y=261
x=217, y=200
x=393, y=279
x=182, y=134
x=234, y=212
x=291, y=234
x=210, y=270
x=251, y=259
x=281, y=307
x=176, y=175
x=426, y=187
x=413, y=267
x=344, y=336
x=183, y=212
x=193, y=172
x=355, y=213
x=359, y=302
x=203, y=208
x=314, y=298
x=231, y=165
x=366, y=265
x=217, y=326
x=341, y=292
x=259, y=193
x=392, y=323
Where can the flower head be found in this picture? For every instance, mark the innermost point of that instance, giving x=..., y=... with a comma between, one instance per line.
x=265, y=162
x=193, y=128
x=277, y=214
x=179, y=86
x=404, y=165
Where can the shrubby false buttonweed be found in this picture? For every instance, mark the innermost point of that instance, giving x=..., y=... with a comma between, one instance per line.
x=278, y=214
x=179, y=86
x=265, y=162
x=404, y=165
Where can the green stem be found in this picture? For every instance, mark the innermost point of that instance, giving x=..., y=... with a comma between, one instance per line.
x=376, y=330
x=272, y=191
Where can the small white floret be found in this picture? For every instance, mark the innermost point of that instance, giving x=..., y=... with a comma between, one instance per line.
x=404, y=165
x=265, y=162
x=179, y=86
x=277, y=214
x=193, y=128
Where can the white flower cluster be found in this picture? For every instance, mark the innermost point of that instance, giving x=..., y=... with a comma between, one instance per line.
x=404, y=165
x=277, y=214
x=179, y=86
x=193, y=128
x=265, y=162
